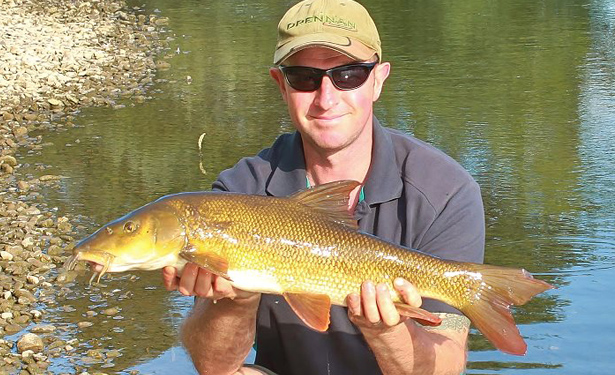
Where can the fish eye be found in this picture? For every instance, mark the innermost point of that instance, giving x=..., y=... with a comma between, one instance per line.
x=130, y=226
x=109, y=230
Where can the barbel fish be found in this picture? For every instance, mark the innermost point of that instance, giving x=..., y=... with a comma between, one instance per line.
x=308, y=248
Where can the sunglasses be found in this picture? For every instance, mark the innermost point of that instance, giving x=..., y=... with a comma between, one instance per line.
x=345, y=77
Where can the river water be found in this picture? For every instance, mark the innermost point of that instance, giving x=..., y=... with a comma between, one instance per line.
x=520, y=92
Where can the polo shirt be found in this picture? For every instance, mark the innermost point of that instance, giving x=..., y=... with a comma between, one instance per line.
x=415, y=195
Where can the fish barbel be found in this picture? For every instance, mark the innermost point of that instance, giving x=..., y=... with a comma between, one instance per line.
x=307, y=248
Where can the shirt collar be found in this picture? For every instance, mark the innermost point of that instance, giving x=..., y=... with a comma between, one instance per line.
x=383, y=182
x=288, y=176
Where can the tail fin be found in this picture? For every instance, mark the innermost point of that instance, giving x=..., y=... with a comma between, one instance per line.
x=490, y=312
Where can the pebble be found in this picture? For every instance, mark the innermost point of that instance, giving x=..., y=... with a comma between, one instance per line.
x=6, y=255
x=30, y=341
x=43, y=328
x=12, y=328
x=111, y=311
x=56, y=56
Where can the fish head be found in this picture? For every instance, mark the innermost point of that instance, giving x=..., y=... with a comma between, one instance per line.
x=147, y=238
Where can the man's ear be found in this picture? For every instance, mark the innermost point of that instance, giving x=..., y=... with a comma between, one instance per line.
x=381, y=73
x=278, y=77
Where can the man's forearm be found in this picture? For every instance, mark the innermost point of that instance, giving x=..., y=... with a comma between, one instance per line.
x=410, y=349
x=218, y=336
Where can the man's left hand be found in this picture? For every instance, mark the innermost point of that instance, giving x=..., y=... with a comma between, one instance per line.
x=374, y=308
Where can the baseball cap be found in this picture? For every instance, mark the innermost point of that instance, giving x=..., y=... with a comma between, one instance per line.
x=342, y=25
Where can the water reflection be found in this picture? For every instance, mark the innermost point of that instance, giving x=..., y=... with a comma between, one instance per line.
x=520, y=92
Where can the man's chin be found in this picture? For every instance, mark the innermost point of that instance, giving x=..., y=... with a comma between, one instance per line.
x=328, y=145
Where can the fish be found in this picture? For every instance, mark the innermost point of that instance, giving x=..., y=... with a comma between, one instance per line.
x=306, y=247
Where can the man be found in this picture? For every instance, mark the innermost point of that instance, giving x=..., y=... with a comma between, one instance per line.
x=330, y=71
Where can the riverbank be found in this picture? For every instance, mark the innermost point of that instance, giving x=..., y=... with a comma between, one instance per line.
x=56, y=56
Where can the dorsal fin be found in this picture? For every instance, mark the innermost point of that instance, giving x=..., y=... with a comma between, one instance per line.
x=332, y=199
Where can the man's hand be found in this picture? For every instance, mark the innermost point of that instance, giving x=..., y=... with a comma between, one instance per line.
x=374, y=308
x=196, y=281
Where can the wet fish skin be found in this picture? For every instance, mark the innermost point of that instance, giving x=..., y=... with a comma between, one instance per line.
x=307, y=248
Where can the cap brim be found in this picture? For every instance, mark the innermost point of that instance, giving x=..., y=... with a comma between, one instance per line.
x=347, y=46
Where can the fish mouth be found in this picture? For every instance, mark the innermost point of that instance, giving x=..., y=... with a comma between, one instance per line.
x=99, y=261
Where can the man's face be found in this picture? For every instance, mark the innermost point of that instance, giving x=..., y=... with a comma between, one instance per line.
x=330, y=119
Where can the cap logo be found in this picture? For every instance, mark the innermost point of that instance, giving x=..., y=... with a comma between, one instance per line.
x=326, y=20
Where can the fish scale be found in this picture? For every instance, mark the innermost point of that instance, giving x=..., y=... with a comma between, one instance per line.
x=299, y=241
x=308, y=248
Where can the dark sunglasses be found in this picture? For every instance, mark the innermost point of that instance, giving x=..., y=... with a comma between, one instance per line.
x=345, y=77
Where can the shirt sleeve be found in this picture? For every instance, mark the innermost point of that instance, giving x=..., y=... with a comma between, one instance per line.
x=248, y=176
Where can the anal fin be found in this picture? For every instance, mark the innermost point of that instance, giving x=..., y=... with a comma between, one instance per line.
x=312, y=309
x=422, y=316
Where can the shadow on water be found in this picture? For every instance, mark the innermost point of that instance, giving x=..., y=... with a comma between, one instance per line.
x=520, y=92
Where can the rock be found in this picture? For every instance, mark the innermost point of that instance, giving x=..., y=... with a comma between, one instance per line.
x=55, y=102
x=5, y=255
x=55, y=250
x=20, y=131
x=30, y=341
x=43, y=328
x=23, y=186
x=113, y=353
x=33, y=279
x=22, y=319
x=9, y=160
x=95, y=353
x=65, y=227
x=27, y=242
x=111, y=311
x=49, y=177
x=84, y=324
x=12, y=328
x=30, y=116
x=7, y=168
x=25, y=294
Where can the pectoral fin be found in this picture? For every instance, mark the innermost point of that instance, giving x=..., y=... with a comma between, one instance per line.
x=422, y=316
x=313, y=309
x=210, y=261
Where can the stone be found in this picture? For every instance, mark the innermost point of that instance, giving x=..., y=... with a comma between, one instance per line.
x=84, y=324
x=111, y=311
x=12, y=328
x=23, y=186
x=9, y=160
x=20, y=131
x=55, y=102
x=43, y=328
x=30, y=341
x=5, y=255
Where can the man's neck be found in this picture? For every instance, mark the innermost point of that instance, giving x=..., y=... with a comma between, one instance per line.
x=350, y=163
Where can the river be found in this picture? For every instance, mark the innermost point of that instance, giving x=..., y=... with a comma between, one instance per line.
x=520, y=92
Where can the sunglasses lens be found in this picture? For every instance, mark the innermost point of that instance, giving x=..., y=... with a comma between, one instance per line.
x=347, y=77
x=351, y=77
x=302, y=78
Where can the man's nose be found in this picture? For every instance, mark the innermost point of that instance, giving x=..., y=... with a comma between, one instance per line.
x=327, y=95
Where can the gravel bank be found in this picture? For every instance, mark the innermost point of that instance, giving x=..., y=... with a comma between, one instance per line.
x=55, y=57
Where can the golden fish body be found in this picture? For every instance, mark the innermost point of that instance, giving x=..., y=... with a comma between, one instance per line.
x=307, y=248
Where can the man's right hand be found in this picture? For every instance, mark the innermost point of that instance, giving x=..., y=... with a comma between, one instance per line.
x=196, y=281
